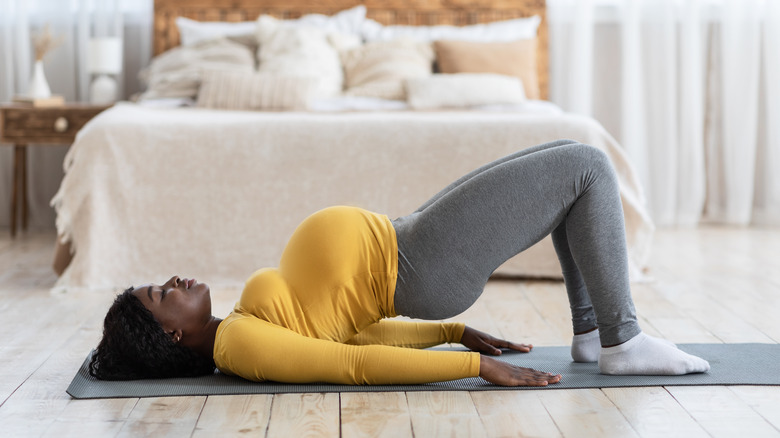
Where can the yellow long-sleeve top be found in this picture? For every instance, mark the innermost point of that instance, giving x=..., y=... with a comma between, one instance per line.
x=318, y=317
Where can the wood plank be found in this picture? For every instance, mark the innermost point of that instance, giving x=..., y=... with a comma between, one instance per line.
x=448, y=413
x=234, y=415
x=514, y=413
x=45, y=369
x=585, y=412
x=517, y=319
x=304, y=415
x=375, y=414
x=82, y=418
x=712, y=304
x=549, y=298
x=763, y=399
x=40, y=400
x=668, y=318
x=654, y=412
x=163, y=416
x=720, y=412
x=25, y=262
x=751, y=300
x=24, y=418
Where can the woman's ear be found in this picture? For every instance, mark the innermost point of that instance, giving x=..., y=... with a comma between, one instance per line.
x=175, y=336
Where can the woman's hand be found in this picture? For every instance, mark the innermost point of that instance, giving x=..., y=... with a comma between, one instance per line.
x=504, y=374
x=480, y=342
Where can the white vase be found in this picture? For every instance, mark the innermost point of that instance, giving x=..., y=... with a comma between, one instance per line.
x=38, y=88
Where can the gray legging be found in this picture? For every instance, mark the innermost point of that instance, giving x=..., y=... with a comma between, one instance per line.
x=449, y=247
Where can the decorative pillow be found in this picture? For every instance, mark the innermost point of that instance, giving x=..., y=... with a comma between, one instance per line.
x=508, y=30
x=378, y=69
x=516, y=58
x=246, y=90
x=348, y=21
x=463, y=90
x=299, y=50
x=177, y=72
x=192, y=31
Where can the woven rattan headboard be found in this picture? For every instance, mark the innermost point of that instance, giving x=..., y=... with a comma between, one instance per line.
x=407, y=12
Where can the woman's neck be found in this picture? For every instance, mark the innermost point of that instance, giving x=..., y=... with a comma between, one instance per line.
x=205, y=346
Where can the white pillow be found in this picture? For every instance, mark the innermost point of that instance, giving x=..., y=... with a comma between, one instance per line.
x=255, y=91
x=378, y=69
x=191, y=31
x=349, y=21
x=462, y=90
x=299, y=50
x=498, y=31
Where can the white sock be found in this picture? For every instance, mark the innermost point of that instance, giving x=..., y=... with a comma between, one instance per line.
x=649, y=356
x=586, y=347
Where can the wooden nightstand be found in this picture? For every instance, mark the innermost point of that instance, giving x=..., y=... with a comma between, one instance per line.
x=23, y=125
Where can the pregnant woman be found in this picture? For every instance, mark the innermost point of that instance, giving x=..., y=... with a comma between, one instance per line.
x=320, y=316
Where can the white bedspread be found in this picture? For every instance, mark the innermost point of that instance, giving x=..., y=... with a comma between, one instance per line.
x=214, y=195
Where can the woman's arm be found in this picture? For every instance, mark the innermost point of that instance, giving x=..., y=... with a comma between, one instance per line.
x=258, y=350
x=414, y=334
x=410, y=334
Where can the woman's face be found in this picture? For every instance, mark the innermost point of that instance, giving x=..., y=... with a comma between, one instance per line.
x=181, y=306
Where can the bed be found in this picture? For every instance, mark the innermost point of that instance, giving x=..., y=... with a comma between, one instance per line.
x=214, y=194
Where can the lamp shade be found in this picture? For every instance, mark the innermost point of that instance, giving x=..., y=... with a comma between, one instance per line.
x=105, y=56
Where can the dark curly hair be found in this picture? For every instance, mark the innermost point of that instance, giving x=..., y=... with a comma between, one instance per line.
x=135, y=346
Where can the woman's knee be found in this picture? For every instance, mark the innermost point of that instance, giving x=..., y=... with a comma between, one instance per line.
x=594, y=157
x=563, y=142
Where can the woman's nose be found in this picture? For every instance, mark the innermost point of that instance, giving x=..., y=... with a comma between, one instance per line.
x=174, y=281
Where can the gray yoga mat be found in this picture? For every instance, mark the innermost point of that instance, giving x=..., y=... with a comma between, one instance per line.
x=731, y=364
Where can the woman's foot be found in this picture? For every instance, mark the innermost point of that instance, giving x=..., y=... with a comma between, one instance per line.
x=586, y=347
x=649, y=356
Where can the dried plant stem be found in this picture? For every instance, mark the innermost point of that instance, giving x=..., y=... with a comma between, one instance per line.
x=43, y=43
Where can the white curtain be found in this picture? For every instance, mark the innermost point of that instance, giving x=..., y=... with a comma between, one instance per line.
x=689, y=88
x=75, y=22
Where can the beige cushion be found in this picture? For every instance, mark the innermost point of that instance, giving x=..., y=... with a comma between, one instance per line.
x=259, y=91
x=463, y=90
x=515, y=58
x=378, y=69
x=177, y=72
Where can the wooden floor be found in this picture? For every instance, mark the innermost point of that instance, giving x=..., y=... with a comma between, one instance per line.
x=711, y=285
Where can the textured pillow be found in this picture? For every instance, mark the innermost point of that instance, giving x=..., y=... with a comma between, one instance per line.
x=515, y=58
x=299, y=50
x=507, y=30
x=246, y=90
x=378, y=69
x=192, y=31
x=177, y=72
x=463, y=90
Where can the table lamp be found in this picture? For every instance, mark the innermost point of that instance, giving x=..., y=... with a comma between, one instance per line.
x=105, y=58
